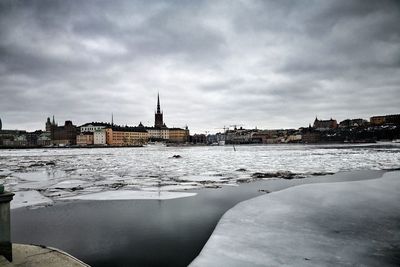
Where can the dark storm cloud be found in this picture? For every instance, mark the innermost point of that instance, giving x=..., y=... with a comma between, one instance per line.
x=259, y=63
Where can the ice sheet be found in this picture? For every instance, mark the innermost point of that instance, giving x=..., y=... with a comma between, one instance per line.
x=29, y=198
x=130, y=194
x=334, y=224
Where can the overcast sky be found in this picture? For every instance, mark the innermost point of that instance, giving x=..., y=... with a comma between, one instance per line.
x=270, y=64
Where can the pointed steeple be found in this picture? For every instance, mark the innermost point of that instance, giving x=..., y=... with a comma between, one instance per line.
x=158, y=118
x=158, y=103
x=112, y=119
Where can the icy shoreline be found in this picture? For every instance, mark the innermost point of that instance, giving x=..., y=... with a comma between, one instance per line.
x=331, y=224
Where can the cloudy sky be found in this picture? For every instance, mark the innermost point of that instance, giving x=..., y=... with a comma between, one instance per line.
x=270, y=64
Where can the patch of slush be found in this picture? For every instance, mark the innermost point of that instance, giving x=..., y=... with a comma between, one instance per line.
x=68, y=184
x=187, y=186
x=39, y=176
x=333, y=224
x=130, y=195
x=202, y=178
x=28, y=199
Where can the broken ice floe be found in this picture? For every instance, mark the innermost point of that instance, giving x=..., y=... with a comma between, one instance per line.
x=28, y=199
x=332, y=224
x=49, y=170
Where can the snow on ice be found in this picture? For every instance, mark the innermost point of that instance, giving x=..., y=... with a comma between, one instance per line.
x=332, y=224
x=29, y=198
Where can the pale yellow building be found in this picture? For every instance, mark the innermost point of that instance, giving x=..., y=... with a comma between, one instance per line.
x=178, y=135
x=126, y=136
x=158, y=133
x=377, y=120
x=84, y=139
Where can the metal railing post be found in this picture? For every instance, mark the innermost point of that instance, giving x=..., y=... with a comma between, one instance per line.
x=5, y=231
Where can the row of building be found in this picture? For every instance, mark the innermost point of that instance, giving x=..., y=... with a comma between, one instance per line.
x=349, y=130
x=108, y=134
x=95, y=134
x=349, y=123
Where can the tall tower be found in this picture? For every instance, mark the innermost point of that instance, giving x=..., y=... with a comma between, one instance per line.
x=0, y=125
x=48, y=125
x=158, y=116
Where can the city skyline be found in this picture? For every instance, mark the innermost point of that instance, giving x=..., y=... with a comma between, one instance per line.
x=215, y=64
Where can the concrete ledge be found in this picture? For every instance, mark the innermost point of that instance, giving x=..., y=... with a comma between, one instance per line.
x=32, y=255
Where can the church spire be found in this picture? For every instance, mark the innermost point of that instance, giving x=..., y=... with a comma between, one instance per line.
x=158, y=118
x=158, y=103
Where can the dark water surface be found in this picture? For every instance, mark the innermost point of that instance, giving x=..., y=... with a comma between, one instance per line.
x=143, y=232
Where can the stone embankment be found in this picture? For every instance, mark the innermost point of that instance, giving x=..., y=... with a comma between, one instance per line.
x=31, y=255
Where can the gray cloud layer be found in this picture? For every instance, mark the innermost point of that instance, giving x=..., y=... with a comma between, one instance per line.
x=269, y=64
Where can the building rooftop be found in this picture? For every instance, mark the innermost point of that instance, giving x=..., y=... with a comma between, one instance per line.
x=96, y=124
x=127, y=129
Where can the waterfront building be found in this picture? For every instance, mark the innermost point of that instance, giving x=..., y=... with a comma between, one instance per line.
x=97, y=130
x=19, y=140
x=84, y=139
x=32, y=138
x=216, y=139
x=64, y=135
x=309, y=136
x=44, y=139
x=99, y=137
x=265, y=137
x=178, y=135
x=377, y=120
x=275, y=136
x=293, y=138
x=93, y=126
x=13, y=138
x=353, y=123
x=325, y=124
x=240, y=136
x=393, y=119
x=160, y=131
x=199, y=139
x=126, y=136
x=389, y=119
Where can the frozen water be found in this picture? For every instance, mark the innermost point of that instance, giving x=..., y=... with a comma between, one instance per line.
x=129, y=194
x=333, y=224
x=29, y=198
x=57, y=173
